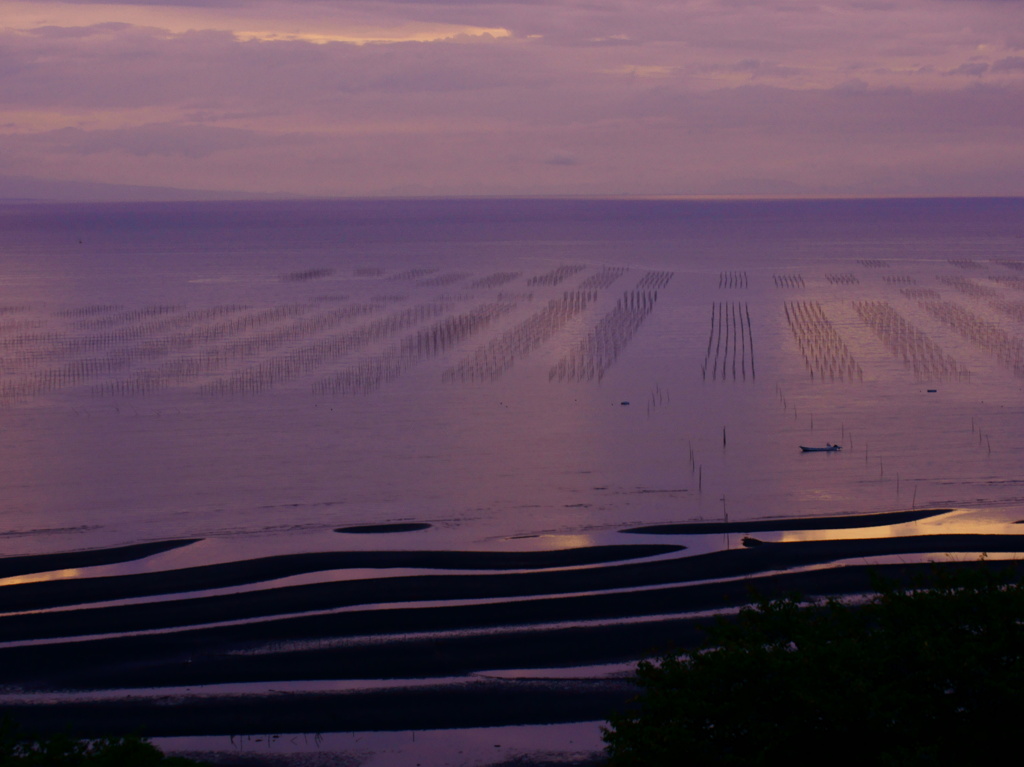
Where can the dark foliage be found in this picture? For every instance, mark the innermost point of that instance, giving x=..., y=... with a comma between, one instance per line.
x=928, y=676
x=18, y=749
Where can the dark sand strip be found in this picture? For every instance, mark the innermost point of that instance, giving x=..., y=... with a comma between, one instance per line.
x=44, y=563
x=399, y=648
x=38, y=596
x=399, y=527
x=325, y=596
x=489, y=704
x=845, y=522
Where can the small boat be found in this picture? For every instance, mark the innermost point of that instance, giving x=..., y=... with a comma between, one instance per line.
x=829, y=448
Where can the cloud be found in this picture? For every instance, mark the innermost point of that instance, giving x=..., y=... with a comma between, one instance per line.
x=1009, y=64
x=658, y=96
x=188, y=141
x=971, y=69
x=124, y=67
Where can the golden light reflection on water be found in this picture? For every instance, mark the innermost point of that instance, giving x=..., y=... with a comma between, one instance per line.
x=552, y=542
x=957, y=522
x=53, y=575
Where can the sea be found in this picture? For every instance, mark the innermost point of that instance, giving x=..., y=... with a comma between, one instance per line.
x=501, y=374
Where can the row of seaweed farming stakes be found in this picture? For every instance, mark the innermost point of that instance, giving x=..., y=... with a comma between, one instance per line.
x=496, y=357
x=298, y=330
x=965, y=263
x=417, y=273
x=1014, y=282
x=232, y=342
x=373, y=372
x=873, y=263
x=899, y=279
x=71, y=374
x=89, y=311
x=443, y=280
x=556, y=276
x=216, y=346
x=1014, y=309
x=732, y=280
x=846, y=278
x=658, y=398
x=119, y=349
x=19, y=326
x=919, y=293
x=368, y=271
x=443, y=335
x=788, y=280
x=306, y=275
x=34, y=342
x=919, y=353
x=177, y=331
x=968, y=287
x=127, y=316
x=1018, y=265
x=495, y=280
x=592, y=356
x=730, y=340
x=824, y=351
x=325, y=350
x=655, y=280
x=1009, y=350
x=603, y=279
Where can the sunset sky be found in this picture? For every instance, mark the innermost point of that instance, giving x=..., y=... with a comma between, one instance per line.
x=507, y=97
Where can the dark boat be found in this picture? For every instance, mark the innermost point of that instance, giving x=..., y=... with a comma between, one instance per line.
x=827, y=449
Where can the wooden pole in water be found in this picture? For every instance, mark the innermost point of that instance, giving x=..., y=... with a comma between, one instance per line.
x=725, y=516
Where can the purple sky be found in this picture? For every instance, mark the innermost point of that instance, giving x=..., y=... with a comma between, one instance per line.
x=466, y=97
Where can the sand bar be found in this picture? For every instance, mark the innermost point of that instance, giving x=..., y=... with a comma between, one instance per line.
x=43, y=563
x=842, y=522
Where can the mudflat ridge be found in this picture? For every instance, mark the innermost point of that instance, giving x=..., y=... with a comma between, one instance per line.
x=164, y=665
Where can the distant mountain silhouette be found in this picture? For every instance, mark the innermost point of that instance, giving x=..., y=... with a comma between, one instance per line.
x=29, y=189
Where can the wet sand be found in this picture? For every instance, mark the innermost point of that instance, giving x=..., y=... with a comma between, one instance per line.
x=623, y=606
x=42, y=563
x=845, y=522
x=34, y=596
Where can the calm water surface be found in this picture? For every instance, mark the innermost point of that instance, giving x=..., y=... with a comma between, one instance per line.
x=259, y=374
